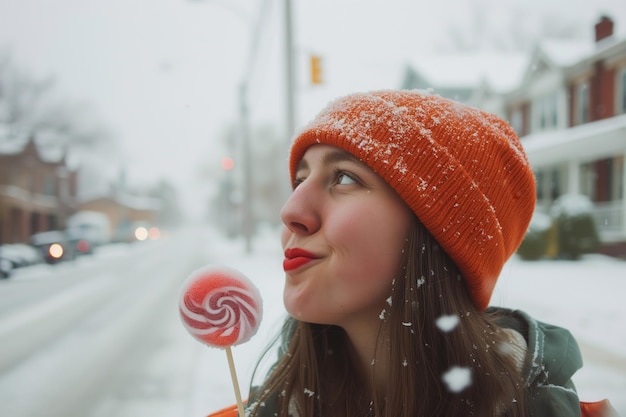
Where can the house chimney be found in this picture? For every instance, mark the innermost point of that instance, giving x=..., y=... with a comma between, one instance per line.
x=604, y=28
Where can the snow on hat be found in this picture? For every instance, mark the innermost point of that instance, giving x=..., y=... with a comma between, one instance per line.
x=462, y=171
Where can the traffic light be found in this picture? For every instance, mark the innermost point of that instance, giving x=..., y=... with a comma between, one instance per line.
x=316, y=69
x=227, y=163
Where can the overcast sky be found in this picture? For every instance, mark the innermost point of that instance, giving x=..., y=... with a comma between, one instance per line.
x=163, y=75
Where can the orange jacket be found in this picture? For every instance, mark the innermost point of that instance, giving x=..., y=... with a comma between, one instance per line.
x=230, y=411
x=597, y=409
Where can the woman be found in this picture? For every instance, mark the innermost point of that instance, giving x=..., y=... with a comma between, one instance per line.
x=405, y=208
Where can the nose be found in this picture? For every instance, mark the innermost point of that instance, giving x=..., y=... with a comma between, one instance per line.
x=300, y=213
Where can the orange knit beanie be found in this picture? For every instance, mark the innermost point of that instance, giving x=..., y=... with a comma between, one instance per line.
x=461, y=170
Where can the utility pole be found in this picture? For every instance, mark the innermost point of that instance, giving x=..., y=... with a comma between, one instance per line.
x=248, y=215
x=244, y=128
x=289, y=78
x=290, y=101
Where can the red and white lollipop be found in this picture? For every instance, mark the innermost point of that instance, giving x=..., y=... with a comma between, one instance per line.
x=221, y=308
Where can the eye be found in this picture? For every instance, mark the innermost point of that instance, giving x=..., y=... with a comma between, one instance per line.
x=297, y=181
x=345, y=178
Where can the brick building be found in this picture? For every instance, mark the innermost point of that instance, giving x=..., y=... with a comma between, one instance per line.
x=37, y=191
x=567, y=102
x=570, y=112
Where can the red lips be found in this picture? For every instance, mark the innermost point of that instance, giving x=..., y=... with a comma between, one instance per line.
x=296, y=257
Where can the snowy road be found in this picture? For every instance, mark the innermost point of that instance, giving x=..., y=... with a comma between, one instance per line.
x=70, y=333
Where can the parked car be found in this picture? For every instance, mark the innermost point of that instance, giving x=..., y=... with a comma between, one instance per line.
x=17, y=255
x=55, y=246
x=5, y=267
x=82, y=240
x=90, y=229
x=136, y=232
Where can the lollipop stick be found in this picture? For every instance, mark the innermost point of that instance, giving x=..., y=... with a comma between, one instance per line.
x=233, y=376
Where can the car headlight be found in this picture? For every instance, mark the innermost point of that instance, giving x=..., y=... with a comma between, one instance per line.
x=55, y=251
x=141, y=233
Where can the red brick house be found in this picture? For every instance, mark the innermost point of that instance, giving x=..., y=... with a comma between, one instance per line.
x=37, y=191
x=571, y=116
x=569, y=108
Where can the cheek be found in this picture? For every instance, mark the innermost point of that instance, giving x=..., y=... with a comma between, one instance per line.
x=373, y=243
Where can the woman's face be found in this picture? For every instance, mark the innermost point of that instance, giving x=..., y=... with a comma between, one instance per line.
x=343, y=235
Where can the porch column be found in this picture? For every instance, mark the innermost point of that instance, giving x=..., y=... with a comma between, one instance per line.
x=573, y=177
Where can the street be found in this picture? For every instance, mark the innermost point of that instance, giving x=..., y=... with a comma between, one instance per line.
x=73, y=336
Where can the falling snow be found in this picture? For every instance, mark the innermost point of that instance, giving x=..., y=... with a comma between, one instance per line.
x=457, y=378
x=447, y=323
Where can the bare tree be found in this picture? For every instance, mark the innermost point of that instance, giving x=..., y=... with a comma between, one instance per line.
x=19, y=101
x=29, y=108
x=509, y=27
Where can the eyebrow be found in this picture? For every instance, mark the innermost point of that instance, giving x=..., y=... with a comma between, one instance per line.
x=330, y=158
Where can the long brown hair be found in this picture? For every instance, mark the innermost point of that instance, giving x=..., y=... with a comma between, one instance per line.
x=318, y=375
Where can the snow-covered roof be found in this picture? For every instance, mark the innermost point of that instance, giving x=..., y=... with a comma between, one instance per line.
x=566, y=52
x=139, y=203
x=128, y=200
x=17, y=145
x=11, y=147
x=500, y=71
x=11, y=141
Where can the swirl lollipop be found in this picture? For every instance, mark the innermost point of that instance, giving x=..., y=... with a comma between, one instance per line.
x=221, y=307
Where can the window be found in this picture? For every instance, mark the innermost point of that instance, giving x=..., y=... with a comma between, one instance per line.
x=517, y=121
x=548, y=184
x=555, y=184
x=612, y=175
x=602, y=179
x=548, y=116
x=49, y=186
x=554, y=110
x=542, y=114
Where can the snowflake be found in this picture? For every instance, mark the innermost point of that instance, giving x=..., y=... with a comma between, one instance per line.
x=447, y=323
x=457, y=378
